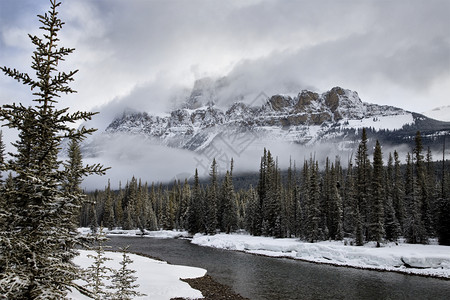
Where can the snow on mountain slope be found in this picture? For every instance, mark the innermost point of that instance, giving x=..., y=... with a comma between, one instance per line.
x=440, y=113
x=304, y=119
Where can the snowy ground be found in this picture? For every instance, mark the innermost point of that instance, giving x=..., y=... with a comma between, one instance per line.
x=432, y=260
x=161, y=234
x=156, y=279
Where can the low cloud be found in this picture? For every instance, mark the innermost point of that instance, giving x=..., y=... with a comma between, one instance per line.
x=135, y=155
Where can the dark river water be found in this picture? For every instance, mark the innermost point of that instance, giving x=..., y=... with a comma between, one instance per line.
x=258, y=277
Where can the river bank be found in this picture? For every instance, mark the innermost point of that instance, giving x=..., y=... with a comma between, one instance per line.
x=259, y=277
x=423, y=260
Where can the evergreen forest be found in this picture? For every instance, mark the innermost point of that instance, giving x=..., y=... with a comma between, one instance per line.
x=370, y=199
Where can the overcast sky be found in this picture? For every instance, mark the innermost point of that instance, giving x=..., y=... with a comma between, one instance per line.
x=143, y=54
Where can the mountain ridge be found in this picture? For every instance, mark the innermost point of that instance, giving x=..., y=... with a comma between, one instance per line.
x=306, y=118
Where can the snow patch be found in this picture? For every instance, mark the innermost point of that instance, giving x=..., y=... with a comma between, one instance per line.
x=432, y=260
x=157, y=279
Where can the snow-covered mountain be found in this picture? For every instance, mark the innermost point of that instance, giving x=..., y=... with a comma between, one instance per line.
x=307, y=118
x=441, y=113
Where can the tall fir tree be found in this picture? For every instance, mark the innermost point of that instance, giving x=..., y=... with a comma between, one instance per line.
x=335, y=215
x=363, y=182
x=210, y=203
x=377, y=207
x=414, y=229
x=423, y=190
x=313, y=232
x=392, y=225
x=108, y=214
x=398, y=193
x=349, y=202
x=37, y=254
x=229, y=213
x=252, y=212
x=194, y=212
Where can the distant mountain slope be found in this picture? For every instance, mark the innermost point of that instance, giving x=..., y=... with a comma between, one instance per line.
x=308, y=118
x=440, y=113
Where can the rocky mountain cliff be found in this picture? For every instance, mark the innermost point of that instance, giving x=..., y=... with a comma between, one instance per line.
x=307, y=118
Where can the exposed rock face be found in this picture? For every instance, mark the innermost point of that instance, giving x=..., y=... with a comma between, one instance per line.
x=305, y=98
x=303, y=119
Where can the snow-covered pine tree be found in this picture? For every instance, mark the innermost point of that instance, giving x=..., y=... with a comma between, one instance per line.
x=413, y=226
x=325, y=199
x=36, y=254
x=182, y=206
x=149, y=216
x=313, y=231
x=108, y=208
x=210, y=203
x=423, y=190
x=392, y=226
x=335, y=214
x=363, y=182
x=378, y=196
x=97, y=273
x=349, y=201
x=252, y=211
x=230, y=213
x=123, y=280
x=194, y=212
x=432, y=194
x=398, y=193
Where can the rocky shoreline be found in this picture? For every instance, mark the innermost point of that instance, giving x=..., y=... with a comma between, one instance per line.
x=211, y=289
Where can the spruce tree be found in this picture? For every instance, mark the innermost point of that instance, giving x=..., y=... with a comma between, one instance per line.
x=313, y=231
x=210, y=216
x=37, y=253
x=414, y=229
x=349, y=202
x=118, y=211
x=108, y=209
x=391, y=223
x=252, y=211
x=194, y=211
x=230, y=213
x=97, y=273
x=363, y=182
x=377, y=216
x=423, y=190
x=123, y=280
x=335, y=214
x=398, y=193
x=185, y=196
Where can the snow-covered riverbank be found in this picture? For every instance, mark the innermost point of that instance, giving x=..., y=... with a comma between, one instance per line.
x=428, y=260
x=156, y=279
x=432, y=260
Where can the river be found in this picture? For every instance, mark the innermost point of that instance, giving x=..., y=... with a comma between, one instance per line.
x=259, y=277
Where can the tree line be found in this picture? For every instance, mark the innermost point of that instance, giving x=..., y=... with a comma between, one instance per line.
x=367, y=200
